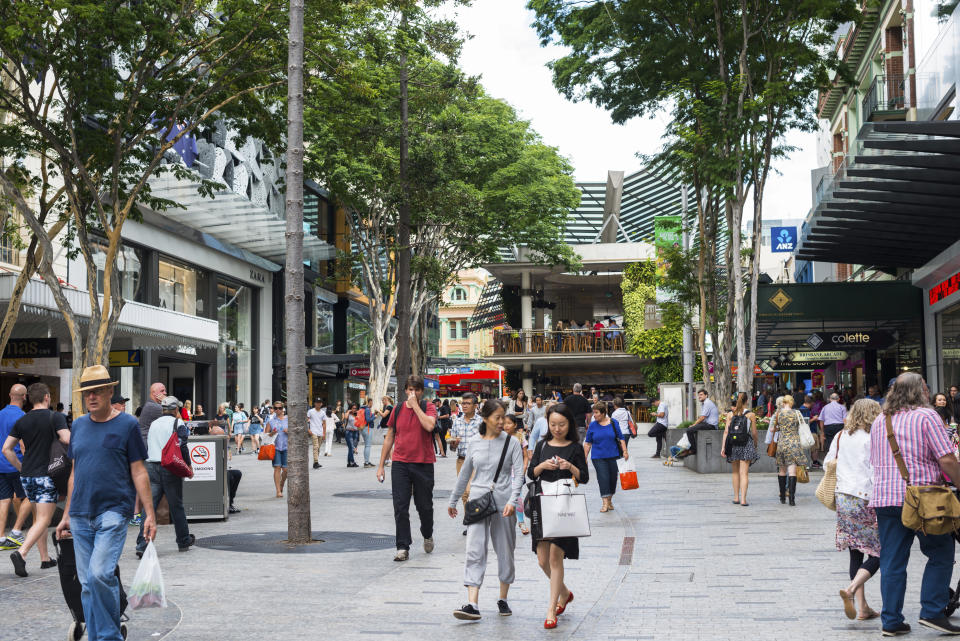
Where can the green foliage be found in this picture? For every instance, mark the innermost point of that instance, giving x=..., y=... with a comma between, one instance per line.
x=662, y=346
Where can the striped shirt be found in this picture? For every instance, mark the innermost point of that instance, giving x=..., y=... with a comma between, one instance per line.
x=922, y=438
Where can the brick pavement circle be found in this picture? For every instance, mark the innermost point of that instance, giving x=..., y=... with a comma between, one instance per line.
x=384, y=494
x=275, y=542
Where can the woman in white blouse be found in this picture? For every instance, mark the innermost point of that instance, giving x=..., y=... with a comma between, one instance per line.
x=856, y=521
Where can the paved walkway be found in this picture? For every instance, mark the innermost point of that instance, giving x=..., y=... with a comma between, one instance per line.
x=700, y=568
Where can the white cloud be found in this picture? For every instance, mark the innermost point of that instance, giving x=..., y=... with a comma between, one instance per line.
x=506, y=52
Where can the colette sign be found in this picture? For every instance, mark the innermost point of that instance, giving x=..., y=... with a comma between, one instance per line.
x=944, y=289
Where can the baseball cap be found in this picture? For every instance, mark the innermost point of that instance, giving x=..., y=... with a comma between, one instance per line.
x=119, y=398
x=169, y=403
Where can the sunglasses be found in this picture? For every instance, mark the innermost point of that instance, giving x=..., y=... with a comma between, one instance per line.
x=278, y=407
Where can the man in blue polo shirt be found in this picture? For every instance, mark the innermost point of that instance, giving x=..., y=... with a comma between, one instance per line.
x=11, y=490
x=709, y=419
x=108, y=471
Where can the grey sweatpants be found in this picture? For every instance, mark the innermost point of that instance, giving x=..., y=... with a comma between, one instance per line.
x=502, y=532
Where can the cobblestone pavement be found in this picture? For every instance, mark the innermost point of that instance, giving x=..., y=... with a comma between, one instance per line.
x=699, y=568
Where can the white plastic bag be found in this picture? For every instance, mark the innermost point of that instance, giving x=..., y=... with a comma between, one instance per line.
x=806, y=436
x=147, y=588
x=684, y=443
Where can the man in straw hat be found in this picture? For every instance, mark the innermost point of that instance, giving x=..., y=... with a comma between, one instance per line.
x=108, y=471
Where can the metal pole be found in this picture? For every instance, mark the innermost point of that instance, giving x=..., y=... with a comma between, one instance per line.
x=687, y=329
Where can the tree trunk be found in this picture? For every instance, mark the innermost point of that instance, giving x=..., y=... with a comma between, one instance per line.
x=403, y=229
x=299, y=529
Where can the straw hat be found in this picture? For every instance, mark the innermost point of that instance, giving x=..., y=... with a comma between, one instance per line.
x=95, y=376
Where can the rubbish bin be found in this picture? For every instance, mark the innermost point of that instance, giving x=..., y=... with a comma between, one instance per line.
x=205, y=495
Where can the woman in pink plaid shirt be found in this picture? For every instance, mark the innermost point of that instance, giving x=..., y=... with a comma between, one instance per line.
x=928, y=454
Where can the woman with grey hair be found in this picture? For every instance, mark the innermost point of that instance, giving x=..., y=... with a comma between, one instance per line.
x=856, y=520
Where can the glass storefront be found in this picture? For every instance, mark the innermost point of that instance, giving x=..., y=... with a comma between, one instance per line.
x=949, y=343
x=358, y=332
x=182, y=287
x=129, y=267
x=235, y=354
x=324, y=328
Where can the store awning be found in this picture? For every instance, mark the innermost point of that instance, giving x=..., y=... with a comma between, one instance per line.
x=235, y=219
x=894, y=203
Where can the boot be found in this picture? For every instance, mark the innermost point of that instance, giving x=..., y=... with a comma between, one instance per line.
x=793, y=489
x=782, y=481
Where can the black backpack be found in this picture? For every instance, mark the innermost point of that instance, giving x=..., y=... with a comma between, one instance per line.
x=739, y=430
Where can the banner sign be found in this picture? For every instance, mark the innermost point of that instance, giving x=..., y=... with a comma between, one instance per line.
x=862, y=339
x=783, y=239
x=31, y=348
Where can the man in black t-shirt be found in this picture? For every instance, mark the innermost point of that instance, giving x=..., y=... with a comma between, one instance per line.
x=36, y=429
x=580, y=407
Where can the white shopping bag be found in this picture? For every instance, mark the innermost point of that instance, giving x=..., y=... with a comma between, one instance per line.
x=147, y=588
x=564, y=515
x=684, y=443
x=806, y=436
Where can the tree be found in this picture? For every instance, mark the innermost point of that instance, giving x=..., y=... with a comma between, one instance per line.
x=95, y=96
x=736, y=75
x=479, y=178
x=299, y=528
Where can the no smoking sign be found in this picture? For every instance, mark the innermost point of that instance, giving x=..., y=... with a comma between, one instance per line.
x=203, y=461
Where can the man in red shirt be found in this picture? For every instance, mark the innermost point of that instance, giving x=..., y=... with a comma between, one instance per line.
x=410, y=436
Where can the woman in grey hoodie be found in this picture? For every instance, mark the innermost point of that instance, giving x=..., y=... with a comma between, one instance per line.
x=483, y=463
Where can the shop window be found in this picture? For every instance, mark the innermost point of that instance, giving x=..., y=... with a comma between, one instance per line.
x=129, y=268
x=358, y=332
x=324, y=327
x=235, y=353
x=182, y=288
x=950, y=346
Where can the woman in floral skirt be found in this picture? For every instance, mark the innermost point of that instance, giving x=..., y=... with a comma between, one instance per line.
x=857, y=529
x=741, y=457
x=789, y=452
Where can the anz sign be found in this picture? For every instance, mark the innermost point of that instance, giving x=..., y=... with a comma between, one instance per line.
x=783, y=239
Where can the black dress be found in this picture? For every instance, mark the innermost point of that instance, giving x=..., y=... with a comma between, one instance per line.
x=573, y=453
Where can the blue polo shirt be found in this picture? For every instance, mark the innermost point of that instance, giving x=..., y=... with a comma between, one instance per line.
x=9, y=416
x=603, y=439
x=102, y=454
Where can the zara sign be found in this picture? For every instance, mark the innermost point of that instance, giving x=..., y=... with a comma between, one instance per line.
x=783, y=239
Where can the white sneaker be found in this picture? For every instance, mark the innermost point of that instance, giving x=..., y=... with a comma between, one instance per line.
x=402, y=555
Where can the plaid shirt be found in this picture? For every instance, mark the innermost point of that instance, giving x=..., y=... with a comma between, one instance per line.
x=922, y=438
x=465, y=431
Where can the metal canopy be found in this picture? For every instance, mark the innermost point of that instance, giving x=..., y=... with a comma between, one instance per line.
x=894, y=204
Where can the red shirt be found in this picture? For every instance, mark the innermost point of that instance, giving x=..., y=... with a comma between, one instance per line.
x=598, y=325
x=412, y=443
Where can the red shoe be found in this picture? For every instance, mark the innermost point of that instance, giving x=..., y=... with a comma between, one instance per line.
x=549, y=624
x=561, y=608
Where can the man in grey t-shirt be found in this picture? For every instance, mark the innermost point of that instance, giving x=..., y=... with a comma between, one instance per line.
x=709, y=419
x=151, y=410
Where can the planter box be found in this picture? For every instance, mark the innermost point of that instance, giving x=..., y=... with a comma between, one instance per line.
x=707, y=460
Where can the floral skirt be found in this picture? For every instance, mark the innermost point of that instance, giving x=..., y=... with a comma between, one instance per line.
x=746, y=452
x=857, y=525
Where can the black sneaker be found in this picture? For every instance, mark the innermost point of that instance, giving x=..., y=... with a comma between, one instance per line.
x=941, y=624
x=184, y=548
x=19, y=565
x=903, y=628
x=316, y=466
x=139, y=554
x=467, y=613
x=235, y=510
x=52, y=563
x=505, y=610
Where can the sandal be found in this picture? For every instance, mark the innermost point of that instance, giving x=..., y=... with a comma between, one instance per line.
x=848, y=605
x=870, y=614
x=524, y=529
x=603, y=508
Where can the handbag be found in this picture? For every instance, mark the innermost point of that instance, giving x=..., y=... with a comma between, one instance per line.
x=58, y=463
x=827, y=489
x=485, y=506
x=931, y=509
x=564, y=513
x=802, y=475
x=267, y=448
x=772, y=438
x=628, y=475
x=172, y=459
x=806, y=436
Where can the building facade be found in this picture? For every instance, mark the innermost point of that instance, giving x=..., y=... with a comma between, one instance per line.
x=456, y=309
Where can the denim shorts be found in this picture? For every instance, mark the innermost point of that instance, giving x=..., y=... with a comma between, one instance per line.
x=10, y=486
x=280, y=458
x=39, y=489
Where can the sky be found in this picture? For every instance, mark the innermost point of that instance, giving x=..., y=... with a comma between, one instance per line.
x=506, y=53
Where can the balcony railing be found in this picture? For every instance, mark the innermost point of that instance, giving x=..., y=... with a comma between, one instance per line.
x=569, y=341
x=886, y=93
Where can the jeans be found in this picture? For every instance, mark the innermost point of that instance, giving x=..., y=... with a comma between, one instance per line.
x=163, y=483
x=367, y=443
x=414, y=479
x=692, y=434
x=895, y=542
x=607, y=475
x=98, y=543
x=353, y=437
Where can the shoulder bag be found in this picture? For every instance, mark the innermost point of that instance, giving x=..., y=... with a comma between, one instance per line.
x=931, y=509
x=59, y=464
x=827, y=489
x=173, y=459
x=617, y=437
x=803, y=427
x=484, y=506
x=771, y=438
